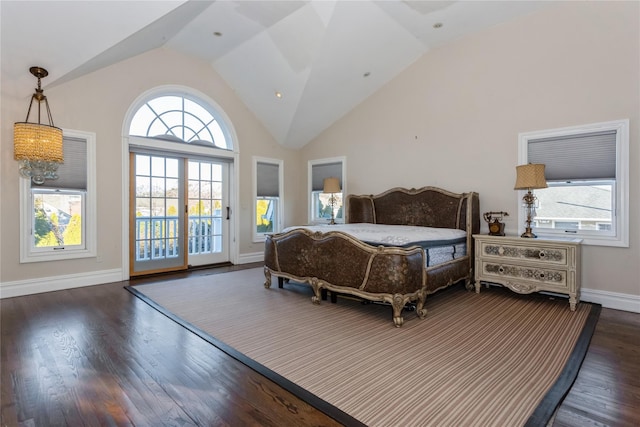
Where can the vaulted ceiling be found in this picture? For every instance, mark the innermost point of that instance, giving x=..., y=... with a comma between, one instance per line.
x=321, y=57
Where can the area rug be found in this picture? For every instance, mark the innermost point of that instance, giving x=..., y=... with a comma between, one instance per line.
x=490, y=359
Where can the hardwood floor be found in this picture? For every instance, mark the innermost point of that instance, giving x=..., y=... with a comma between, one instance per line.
x=100, y=356
x=607, y=390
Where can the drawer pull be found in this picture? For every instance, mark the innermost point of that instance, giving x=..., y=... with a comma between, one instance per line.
x=542, y=254
x=501, y=269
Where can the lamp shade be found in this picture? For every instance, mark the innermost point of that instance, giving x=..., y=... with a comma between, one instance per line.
x=530, y=176
x=33, y=141
x=331, y=185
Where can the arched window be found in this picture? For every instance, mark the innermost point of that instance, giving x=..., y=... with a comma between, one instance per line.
x=182, y=119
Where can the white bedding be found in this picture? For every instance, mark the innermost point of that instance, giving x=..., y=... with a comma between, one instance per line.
x=393, y=235
x=439, y=244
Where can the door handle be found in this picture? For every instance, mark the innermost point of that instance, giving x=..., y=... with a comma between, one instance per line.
x=228, y=212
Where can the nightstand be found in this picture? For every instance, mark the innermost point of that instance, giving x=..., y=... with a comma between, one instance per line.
x=529, y=265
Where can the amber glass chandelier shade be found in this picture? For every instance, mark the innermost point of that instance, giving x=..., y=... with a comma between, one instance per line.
x=38, y=147
x=33, y=141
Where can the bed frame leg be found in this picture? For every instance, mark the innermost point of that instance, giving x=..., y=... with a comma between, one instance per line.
x=267, y=277
x=317, y=290
x=398, y=302
x=469, y=284
x=420, y=310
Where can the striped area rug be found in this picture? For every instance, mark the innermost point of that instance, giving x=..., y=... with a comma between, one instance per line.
x=488, y=359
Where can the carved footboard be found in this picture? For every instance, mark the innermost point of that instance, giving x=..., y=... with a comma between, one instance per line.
x=340, y=263
x=427, y=207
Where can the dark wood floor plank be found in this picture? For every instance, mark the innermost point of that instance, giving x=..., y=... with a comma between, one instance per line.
x=607, y=390
x=100, y=356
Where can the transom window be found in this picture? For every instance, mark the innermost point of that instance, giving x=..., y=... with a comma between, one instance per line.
x=178, y=118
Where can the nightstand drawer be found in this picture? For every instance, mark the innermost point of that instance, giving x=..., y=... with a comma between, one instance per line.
x=528, y=265
x=522, y=252
x=528, y=276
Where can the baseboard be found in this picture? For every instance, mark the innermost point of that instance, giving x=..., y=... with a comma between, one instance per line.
x=69, y=281
x=249, y=258
x=617, y=301
x=58, y=283
x=614, y=300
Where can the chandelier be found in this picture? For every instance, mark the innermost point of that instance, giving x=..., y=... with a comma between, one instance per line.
x=37, y=146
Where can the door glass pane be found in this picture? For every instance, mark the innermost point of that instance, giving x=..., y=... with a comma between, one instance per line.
x=157, y=212
x=172, y=187
x=143, y=186
x=204, y=207
x=157, y=166
x=194, y=170
x=143, y=165
x=171, y=168
x=205, y=170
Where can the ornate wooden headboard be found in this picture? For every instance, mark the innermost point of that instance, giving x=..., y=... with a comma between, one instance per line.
x=426, y=206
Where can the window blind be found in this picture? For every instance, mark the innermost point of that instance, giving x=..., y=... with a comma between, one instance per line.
x=72, y=174
x=576, y=157
x=326, y=170
x=268, y=179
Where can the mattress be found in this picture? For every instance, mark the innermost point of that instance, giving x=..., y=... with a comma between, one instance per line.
x=439, y=244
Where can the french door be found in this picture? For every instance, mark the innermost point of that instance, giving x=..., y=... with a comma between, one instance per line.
x=179, y=213
x=207, y=212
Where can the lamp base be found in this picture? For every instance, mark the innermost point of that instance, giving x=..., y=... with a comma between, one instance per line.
x=528, y=234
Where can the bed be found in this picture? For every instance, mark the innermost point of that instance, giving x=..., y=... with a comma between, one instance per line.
x=396, y=247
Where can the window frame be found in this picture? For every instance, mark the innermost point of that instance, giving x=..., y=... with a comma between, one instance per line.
x=41, y=191
x=312, y=195
x=619, y=237
x=596, y=233
x=28, y=253
x=219, y=119
x=278, y=221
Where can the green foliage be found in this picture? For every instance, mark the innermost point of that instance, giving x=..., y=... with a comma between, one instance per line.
x=53, y=220
x=265, y=228
x=198, y=209
x=73, y=233
x=46, y=229
x=263, y=225
x=42, y=227
x=49, y=240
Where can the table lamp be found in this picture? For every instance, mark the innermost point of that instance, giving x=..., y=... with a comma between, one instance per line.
x=530, y=177
x=331, y=185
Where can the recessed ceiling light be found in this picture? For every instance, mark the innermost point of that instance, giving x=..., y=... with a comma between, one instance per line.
x=217, y=33
x=437, y=25
x=278, y=95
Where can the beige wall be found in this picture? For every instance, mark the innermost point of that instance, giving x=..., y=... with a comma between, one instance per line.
x=98, y=103
x=452, y=119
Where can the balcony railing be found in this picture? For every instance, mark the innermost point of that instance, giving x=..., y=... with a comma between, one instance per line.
x=157, y=237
